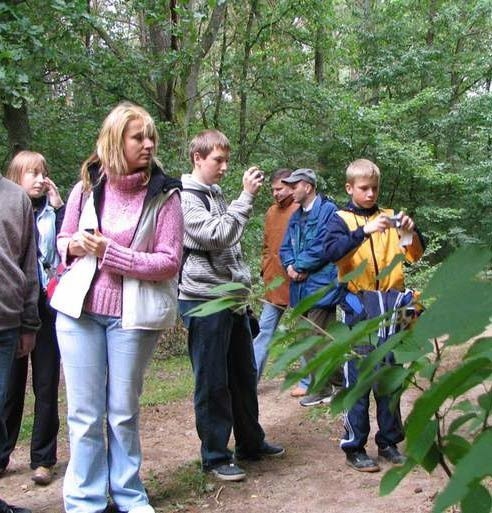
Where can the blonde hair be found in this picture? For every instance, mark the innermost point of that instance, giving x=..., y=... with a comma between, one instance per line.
x=24, y=161
x=109, y=151
x=362, y=168
x=205, y=142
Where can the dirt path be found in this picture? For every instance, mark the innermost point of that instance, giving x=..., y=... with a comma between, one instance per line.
x=312, y=478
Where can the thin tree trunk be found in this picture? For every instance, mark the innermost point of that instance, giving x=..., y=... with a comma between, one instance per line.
x=16, y=122
x=220, y=76
x=243, y=87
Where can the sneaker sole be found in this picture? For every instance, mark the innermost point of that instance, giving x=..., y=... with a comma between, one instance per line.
x=258, y=457
x=275, y=455
x=376, y=468
x=325, y=400
x=397, y=464
x=225, y=477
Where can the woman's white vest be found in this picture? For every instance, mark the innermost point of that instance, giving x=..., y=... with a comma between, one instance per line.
x=148, y=305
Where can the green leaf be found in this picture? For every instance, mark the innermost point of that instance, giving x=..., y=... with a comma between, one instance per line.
x=432, y=458
x=477, y=500
x=394, y=476
x=474, y=466
x=430, y=401
x=387, y=270
x=454, y=291
x=228, y=287
x=455, y=447
x=392, y=379
x=485, y=401
x=214, y=306
x=482, y=347
x=309, y=302
x=294, y=352
x=355, y=273
x=461, y=421
x=427, y=371
x=276, y=282
x=426, y=440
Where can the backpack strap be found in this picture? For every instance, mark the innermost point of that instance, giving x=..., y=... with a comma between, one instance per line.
x=200, y=194
x=186, y=251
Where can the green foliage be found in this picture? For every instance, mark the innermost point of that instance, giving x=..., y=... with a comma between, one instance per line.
x=449, y=423
x=293, y=84
x=404, y=83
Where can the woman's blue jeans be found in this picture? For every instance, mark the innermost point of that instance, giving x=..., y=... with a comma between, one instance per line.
x=104, y=367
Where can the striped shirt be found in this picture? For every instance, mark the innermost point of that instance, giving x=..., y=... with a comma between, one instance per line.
x=213, y=237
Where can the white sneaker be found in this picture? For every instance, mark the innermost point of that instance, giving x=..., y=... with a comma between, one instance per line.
x=142, y=509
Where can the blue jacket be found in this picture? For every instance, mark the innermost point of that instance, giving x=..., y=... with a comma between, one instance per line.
x=303, y=248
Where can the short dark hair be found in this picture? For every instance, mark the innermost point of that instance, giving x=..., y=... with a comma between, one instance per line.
x=283, y=172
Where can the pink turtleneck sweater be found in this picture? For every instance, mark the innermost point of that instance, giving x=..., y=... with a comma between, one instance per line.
x=120, y=213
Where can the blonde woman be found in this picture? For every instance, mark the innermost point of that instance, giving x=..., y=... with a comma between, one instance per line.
x=29, y=170
x=122, y=240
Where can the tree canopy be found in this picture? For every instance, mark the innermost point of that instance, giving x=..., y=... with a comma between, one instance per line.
x=312, y=83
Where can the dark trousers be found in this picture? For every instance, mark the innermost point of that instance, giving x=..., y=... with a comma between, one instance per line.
x=322, y=317
x=45, y=363
x=356, y=421
x=222, y=357
x=9, y=341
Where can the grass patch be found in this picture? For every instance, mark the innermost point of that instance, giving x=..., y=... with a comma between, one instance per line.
x=167, y=380
x=187, y=484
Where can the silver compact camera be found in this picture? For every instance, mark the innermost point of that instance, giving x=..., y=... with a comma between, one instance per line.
x=395, y=221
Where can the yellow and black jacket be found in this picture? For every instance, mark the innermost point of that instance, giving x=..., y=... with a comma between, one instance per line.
x=348, y=246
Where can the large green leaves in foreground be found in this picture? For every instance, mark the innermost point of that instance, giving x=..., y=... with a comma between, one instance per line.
x=449, y=424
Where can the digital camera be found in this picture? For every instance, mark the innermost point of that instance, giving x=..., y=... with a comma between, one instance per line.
x=395, y=221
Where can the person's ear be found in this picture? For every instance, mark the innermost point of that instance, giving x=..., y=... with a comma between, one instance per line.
x=196, y=157
x=349, y=189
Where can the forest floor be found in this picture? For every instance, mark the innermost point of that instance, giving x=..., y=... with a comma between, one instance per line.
x=311, y=478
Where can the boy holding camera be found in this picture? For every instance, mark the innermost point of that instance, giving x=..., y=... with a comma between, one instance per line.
x=364, y=233
x=220, y=344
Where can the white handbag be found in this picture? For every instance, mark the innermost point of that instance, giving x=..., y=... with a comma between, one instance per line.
x=75, y=282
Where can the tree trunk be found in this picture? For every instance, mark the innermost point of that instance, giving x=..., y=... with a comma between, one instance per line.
x=16, y=122
x=220, y=77
x=243, y=86
x=161, y=41
x=319, y=56
x=202, y=49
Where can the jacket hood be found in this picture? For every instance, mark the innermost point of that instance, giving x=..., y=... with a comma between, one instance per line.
x=191, y=183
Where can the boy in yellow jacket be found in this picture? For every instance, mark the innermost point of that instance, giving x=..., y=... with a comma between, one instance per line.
x=364, y=232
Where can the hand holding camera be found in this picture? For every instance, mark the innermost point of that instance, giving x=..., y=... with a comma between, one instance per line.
x=401, y=221
x=253, y=179
x=395, y=221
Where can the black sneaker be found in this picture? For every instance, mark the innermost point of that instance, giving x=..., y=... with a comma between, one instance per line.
x=360, y=461
x=323, y=397
x=228, y=472
x=269, y=450
x=392, y=455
